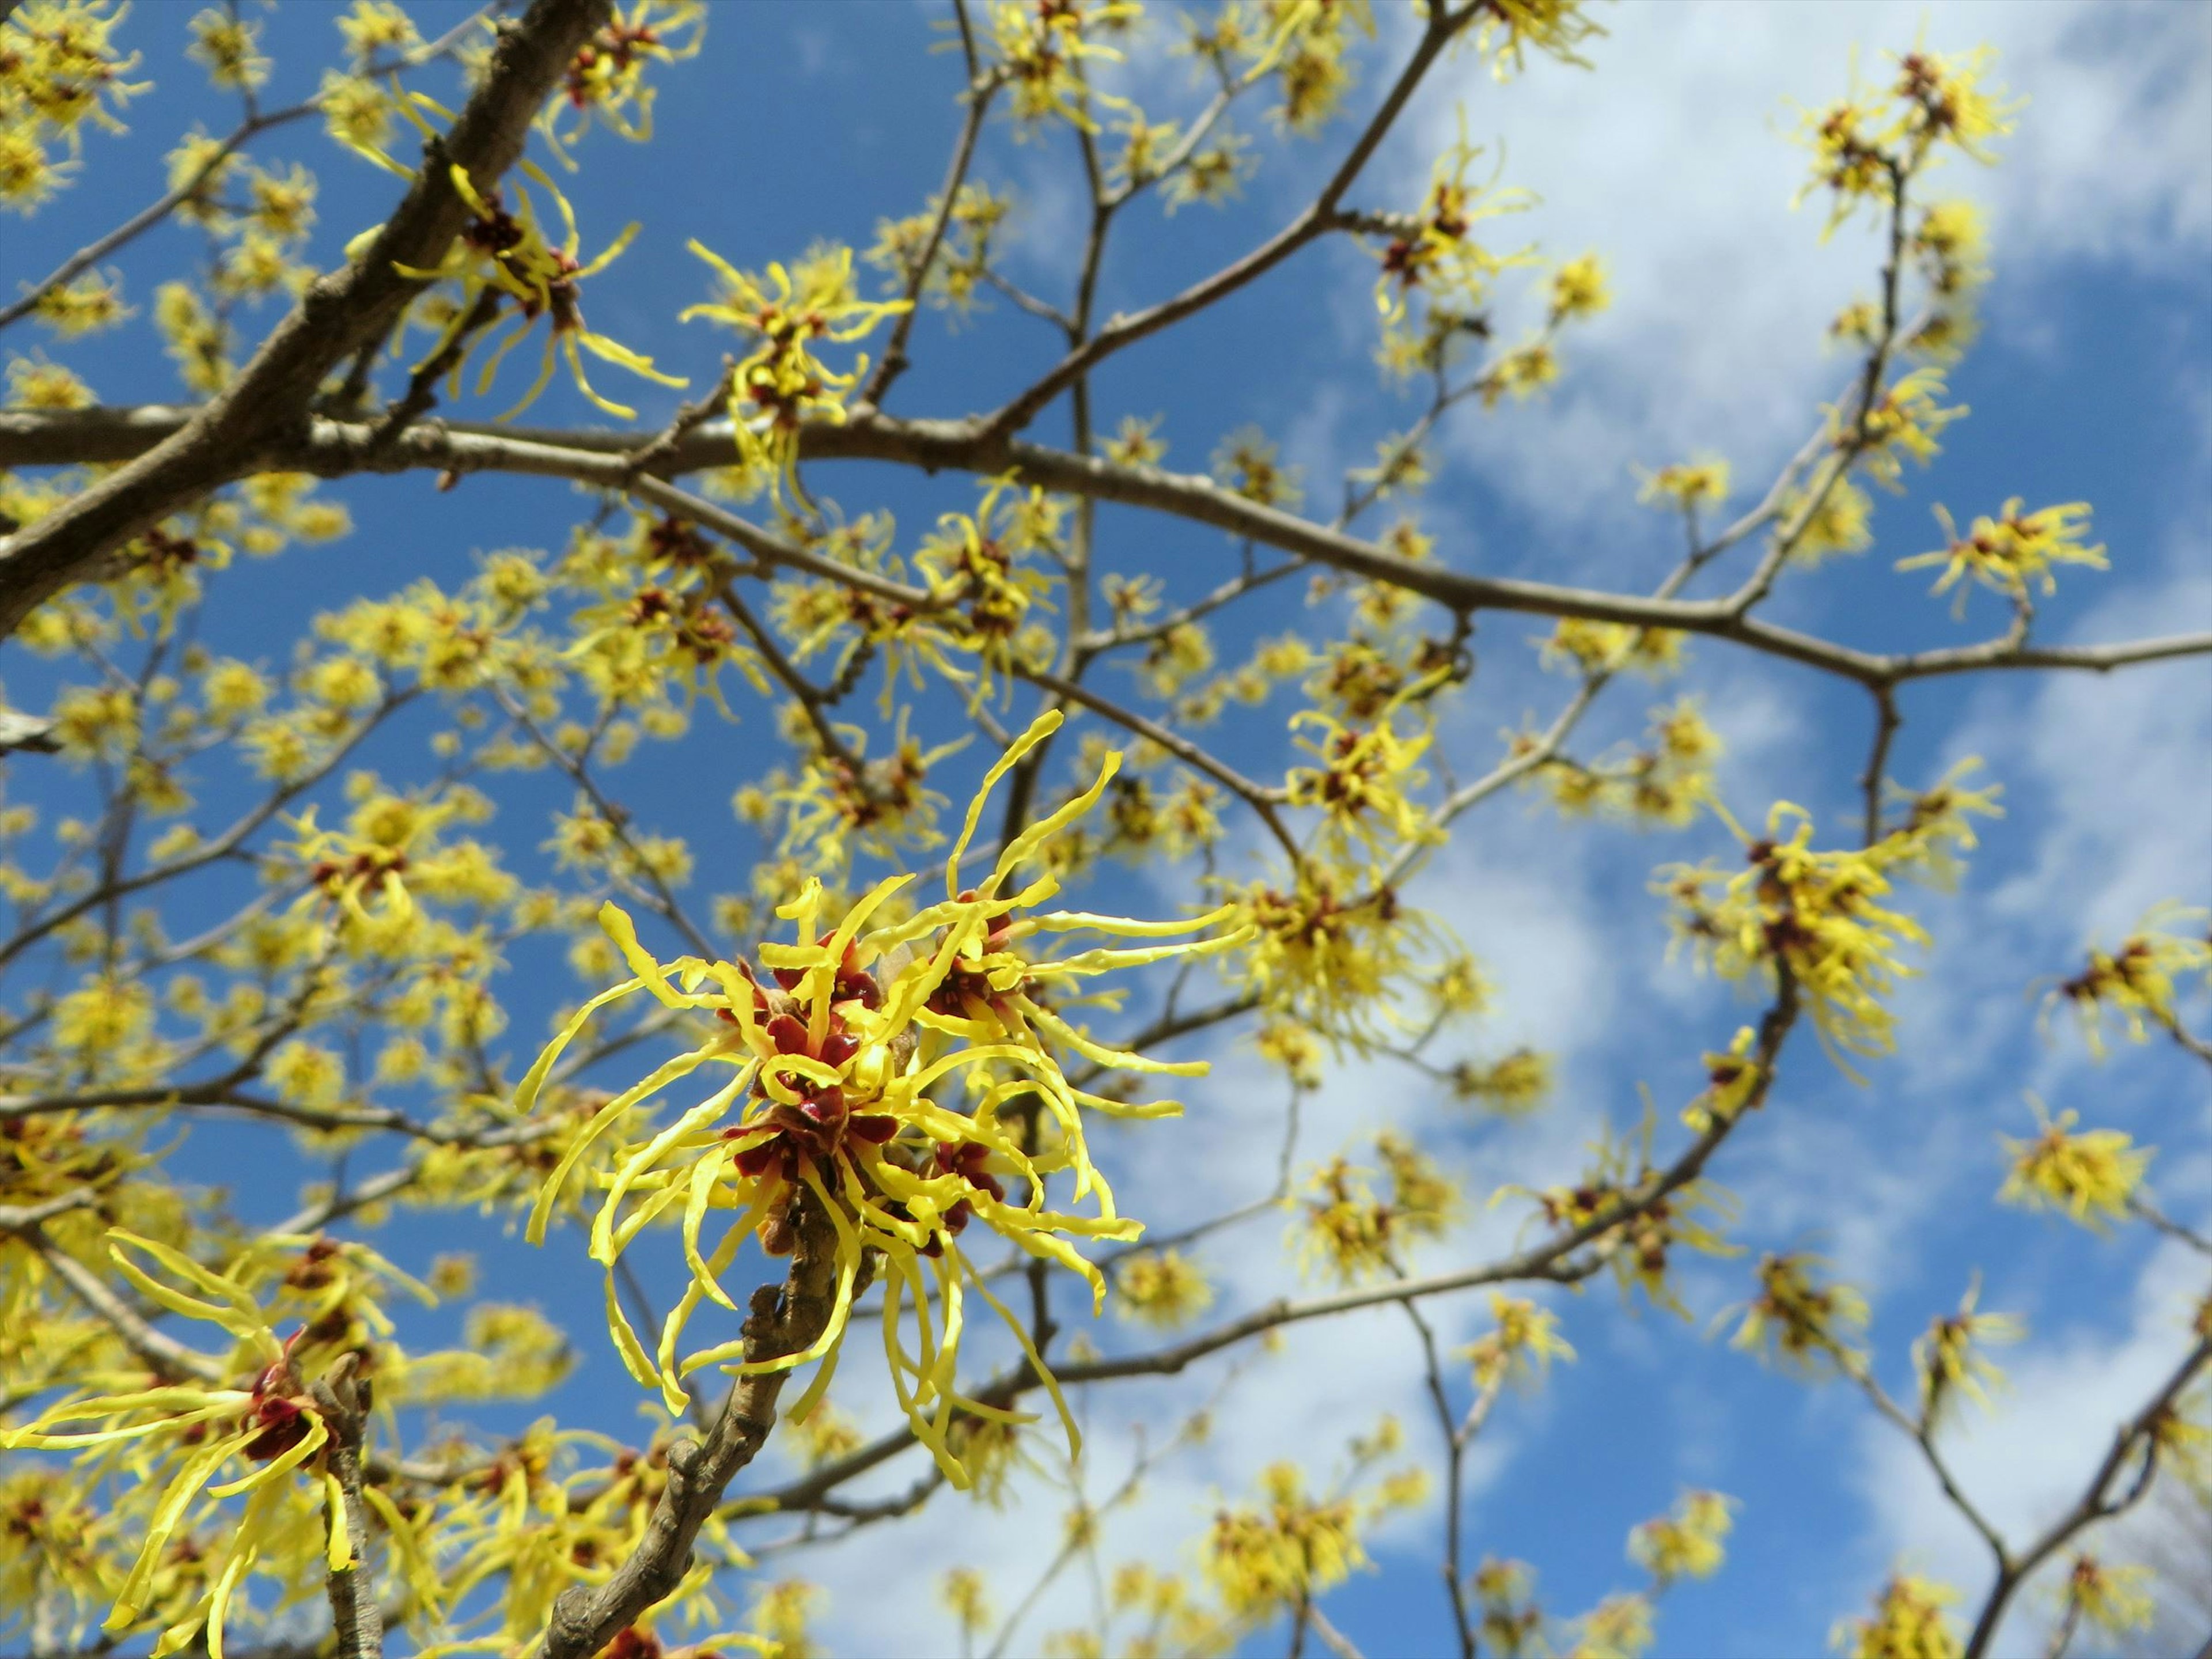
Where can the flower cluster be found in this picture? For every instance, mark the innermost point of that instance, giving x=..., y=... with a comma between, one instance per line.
x=1519, y=1348
x=1687, y=1544
x=1633, y=1228
x=1688, y=485
x=1603, y=647
x=1339, y=962
x=1362, y=785
x=2013, y=552
x=607, y=77
x=1908, y=1622
x=1816, y=916
x=2138, y=984
x=1435, y=253
x=2109, y=1598
x=1509, y=28
x=782, y=380
x=1799, y=1320
x=989, y=584
x=1042, y=51
x=59, y=68
x=1902, y=422
x=963, y=262
x=504, y=264
x=1947, y=1360
x=187, y=1445
x=1292, y=1545
x=895, y=1082
x=1347, y=1230
x=1664, y=781
x=1163, y=1288
x=2090, y=1176
x=1865, y=146
x=1515, y=1082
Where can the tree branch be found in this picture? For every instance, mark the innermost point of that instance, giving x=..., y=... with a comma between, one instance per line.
x=785, y=1318
x=336, y=449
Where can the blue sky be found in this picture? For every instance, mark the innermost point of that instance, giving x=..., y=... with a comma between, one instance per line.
x=2090, y=383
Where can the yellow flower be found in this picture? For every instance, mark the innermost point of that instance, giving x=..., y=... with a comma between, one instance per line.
x=93, y=301
x=1161, y=1288
x=33, y=383
x=197, y=338
x=1946, y=1359
x=1936, y=824
x=2136, y=982
x=783, y=382
x=1042, y=50
x=1908, y=1622
x=373, y=26
x=1601, y=648
x=356, y=112
x=1514, y=1083
x=181, y=1437
x=1904, y=421
x=1837, y=519
x=502, y=258
x=607, y=77
x=1435, y=255
x=1800, y=1322
x=1245, y=465
x=1521, y=1347
x=1510, y=27
x=2013, y=552
x=1137, y=442
x=2113, y=1599
x=1735, y=1080
x=1619, y=1627
x=846, y=1057
x=1687, y=1543
x=1289, y=1547
x=230, y=47
x=1944, y=101
x=1361, y=785
x=1526, y=368
x=964, y=1597
x=986, y=578
x=2091, y=1174
x=1346, y=1229
x=1578, y=289
x=1688, y=484
x=1815, y=914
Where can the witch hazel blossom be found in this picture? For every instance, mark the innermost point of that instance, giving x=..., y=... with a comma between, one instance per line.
x=901, y=1078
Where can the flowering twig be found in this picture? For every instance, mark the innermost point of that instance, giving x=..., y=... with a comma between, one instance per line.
x=2104, y=1496
x=336, y=315
x=784, y=1319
